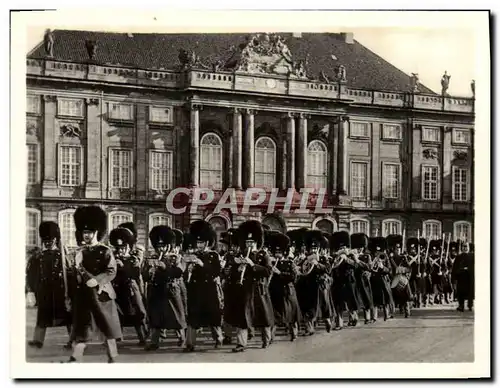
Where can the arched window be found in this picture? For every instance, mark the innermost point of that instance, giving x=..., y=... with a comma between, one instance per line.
x=360, y=226
x=391, y=226
x=462, y=230
x=67, y=227
x=219, y=224
x=211, y=162
x=118, y=217
x=273, y=223
x=265, y=163
x=432, y=229
x=317, y=164
x=33, y=219
x=158, y=219
x=325, y=225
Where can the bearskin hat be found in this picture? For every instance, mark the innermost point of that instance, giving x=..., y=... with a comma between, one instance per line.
x=454, y=246
x=297, y=237
x=359, y=240
x=435, y=244
x=230, y=237
x=423, y=243
x=91, y=218
x=314, y=238
x=161, y=235
x=251, y=230
x=49, y=230
x=189, y=242
x=267, y=237
x=471, y=247
x=121, y=236
x=393, y=240
x=266, y=227
x=340, y=239
x=412, y=242
x=201, y=230
x=130, y=226
x=377, y=244
x=278, y=241
x=179, y=237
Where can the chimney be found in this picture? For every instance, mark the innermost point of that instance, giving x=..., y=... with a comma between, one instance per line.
x=348, y=37
x=297, y=34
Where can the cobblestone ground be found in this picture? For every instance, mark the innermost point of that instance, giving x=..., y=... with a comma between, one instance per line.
x=434, y=334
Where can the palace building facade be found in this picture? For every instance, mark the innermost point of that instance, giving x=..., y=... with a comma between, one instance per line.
x=120, y=120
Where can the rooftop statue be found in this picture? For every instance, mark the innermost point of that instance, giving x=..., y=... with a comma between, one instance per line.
x=445, y=83
x=48, y=41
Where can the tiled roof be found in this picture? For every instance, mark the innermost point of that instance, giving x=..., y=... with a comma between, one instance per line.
x=364, y=68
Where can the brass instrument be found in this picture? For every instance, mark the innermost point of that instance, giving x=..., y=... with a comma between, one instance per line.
x=377, y=263
x=189, y=260
x=309, y=263
x=243, y=262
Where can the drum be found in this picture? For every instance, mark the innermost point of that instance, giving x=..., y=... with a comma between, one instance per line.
x=399, y=283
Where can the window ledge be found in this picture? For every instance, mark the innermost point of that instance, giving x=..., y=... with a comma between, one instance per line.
x=392, y=140
x=68, y=117
x=360, y=138
x=429, y=143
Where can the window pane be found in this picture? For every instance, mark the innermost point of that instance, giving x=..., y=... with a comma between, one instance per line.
x=32, y=150
x=359, y=129
x=265, y=163
x=32, y=223
x=392, y=131
x=67, y=225
x=70, y=165
x=317, y=165
x=160, y=170
x=430, y=183
x=358, y=180
x=391, y=181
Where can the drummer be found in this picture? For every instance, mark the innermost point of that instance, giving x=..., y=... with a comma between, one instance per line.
x=401, y=272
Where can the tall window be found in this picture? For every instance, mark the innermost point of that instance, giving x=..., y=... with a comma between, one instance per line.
x=391, y=180
x=430, y=183
x=461, y=136
x=316, y=164
x=32, y=223
x=359, y=180
x=120, y=111
x=33, y=104
x=160, y=170
x=431, y=134
x=391, y=227
x=265, y=163
x=70, y=165
x=273, y=223
x=392, y=131
x=67, y=227
x=156, y=219
x=360, y=226
x=211, y=161
x=358, y=129
x=460, y=184
x=32, y=163
x=432, y=230
x=462, y=230
x=121, y=169
x=119, y=217
x=70, y=107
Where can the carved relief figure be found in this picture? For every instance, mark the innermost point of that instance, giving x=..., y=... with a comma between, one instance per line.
x=48, y=40
x=414, y=82
x=91, y=46
x=187, y=58
x=473, y=87
x=341, y=74
x=445, y=83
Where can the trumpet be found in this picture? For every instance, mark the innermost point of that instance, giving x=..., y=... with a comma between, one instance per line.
x=190, y=263
x=309, y=263
x=376, y=263
x=242, y=262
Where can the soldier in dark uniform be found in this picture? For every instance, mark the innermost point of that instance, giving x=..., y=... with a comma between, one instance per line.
x=179, y=238
x=345, y=293
x=249, y=281
x=162, y=272
x=380, y=278
x=454, y=250
x=359, y=242
x=94, y=300
x=282, y=286
x=316, y=301
x=126, y=283
x=446, y=269
x=463, y=275
x=400, y=268
x=414, y=261
x=49, y=282
x=204, y=287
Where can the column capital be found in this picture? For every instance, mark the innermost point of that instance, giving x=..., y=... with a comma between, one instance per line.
x=49, y=98
x=344, y=118
x=303, y=115
x=195, y=106
x=236, y=110
x=250, y=112
x=290, y=115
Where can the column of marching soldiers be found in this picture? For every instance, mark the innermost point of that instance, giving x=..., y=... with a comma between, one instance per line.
x=264, y=280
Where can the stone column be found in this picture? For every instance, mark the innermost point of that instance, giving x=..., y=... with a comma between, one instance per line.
x=249, y=148
x=301, y=166
x=93, y=157
x=342, y=155
x=50, y=135
x=237, y=148
x=290, y=148
x=194, y=136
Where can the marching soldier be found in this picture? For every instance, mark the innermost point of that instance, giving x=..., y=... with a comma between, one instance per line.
x=316, y=300
x=401, y=273
x=446, y=269
x=359, y=242
x=94, y=300
x=463, y=275
x=179, y=238
x=345, y=292
x=249, y=281
x=162, y=272
x=282, y=286
x=435, y=271
x=204, y=286
x=49, y=282
x=230, y=238
x=381, y=287
x=454, y=251
x=126, y=283
x=414, y=261
x=137, y=250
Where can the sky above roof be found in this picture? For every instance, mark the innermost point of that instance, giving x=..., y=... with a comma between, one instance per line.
x=428, y=52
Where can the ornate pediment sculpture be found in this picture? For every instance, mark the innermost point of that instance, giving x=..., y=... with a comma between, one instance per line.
x=460, y=155
x=70, y=130
x=430, y=153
